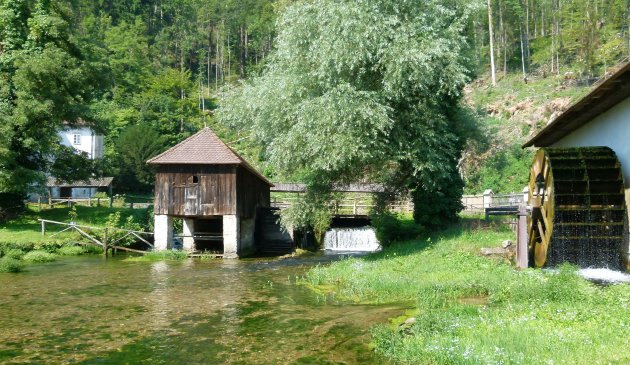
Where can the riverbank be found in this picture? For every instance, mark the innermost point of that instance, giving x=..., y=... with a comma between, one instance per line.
x=21, y=241
x=476, y=310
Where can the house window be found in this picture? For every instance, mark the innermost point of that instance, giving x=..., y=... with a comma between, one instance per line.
x=76, y=139
x=194, y=179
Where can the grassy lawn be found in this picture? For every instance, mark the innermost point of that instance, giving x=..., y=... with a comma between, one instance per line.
x=476, y=310
x=27, y=228
x=21, y=240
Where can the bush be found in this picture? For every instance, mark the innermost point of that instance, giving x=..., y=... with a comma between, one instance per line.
x=437, y=208
x=14, y=253
x=8, y=264
x=71, y=251
x=39, y=256
x=161, y=255
x=391, y=228
x=52, y=246
x=6, y=246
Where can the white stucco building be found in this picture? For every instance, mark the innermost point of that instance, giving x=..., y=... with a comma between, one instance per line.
x=601, y=118
x=83, y=139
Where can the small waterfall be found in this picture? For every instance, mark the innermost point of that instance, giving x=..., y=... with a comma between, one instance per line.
x=351, y=239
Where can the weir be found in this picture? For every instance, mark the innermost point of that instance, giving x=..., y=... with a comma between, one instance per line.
x=351, y=234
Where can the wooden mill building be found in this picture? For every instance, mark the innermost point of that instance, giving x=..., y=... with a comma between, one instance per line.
x=214, y=190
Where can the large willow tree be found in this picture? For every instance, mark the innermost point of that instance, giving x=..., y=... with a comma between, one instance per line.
x=363, y=90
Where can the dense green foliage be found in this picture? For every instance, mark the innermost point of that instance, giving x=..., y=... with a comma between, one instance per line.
x=113, y=66
x=39, y=256
x=577, y=37
x=48, y=79
x=392, y=71
x=391, y=228
x=360, y=90
x=8, y=264
x=475, y=310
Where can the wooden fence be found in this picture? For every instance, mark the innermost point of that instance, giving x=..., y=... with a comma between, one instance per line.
x=105, y=240
x=93, y=202
x=349, y=206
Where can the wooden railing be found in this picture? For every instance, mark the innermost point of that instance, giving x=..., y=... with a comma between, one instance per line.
x=349, y=206
x=105, y=241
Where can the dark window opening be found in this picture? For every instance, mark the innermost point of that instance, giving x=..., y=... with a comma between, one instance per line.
x=194, y=179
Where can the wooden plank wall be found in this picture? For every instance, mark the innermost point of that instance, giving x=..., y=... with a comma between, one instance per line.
x=213, y=194
x=252, y=192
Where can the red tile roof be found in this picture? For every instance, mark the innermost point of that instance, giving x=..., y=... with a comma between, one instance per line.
x=203, y=148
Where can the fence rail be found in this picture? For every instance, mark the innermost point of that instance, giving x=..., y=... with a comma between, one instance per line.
x=352, y=206
x=92, y=202
x=106, y=241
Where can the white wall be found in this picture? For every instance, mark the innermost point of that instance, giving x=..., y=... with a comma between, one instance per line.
x=611, y=129
x=90, y=143
x=77, y=193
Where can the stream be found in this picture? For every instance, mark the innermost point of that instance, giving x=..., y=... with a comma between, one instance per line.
x=89, y=310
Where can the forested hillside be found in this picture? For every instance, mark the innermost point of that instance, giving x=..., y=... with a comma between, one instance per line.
x=148, y=73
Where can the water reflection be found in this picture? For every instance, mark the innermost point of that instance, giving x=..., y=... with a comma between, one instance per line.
x=89, y=310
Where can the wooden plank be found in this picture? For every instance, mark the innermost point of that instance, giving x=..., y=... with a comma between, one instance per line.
x=88, y=236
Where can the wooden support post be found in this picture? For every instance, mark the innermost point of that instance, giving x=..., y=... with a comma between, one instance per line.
x=98, y=202
x=111, y=197
x=50, y=197
x=69, y=202
x=354, y=208
x=522, y=259
x=105, y=243
x=39, y=203
x=43, y=228
x=89, y=201
x=131, y=205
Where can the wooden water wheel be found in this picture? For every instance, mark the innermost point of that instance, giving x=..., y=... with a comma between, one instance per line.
x=578, y=207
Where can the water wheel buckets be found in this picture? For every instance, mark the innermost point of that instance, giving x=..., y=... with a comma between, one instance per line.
x=578, y=210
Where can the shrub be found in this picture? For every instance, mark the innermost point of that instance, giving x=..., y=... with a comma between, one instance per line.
x=391, y=228
x=8, y=264
x=39, y=256
x=161, y=255
x=6, y=246
x=71, y=251
x=14, y=253
x=52, y=246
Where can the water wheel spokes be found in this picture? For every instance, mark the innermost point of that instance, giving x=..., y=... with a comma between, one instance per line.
x=576, y=196
x=541, y=200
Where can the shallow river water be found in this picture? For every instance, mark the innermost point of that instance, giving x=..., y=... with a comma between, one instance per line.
x=88, y=310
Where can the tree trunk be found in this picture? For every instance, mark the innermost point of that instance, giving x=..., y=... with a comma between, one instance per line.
x=522, y=51
x=503, y=39
x=491, y=36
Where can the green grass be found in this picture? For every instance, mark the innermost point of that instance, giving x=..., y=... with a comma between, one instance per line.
x=14, y=253
x=39, y=256
x=161, y=256
x=24, y=232
x=8, y=264
x=520, y=317
x=72, y=250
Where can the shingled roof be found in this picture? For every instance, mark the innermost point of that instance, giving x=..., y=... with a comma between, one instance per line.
x=203, y=148
x=100, y=182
